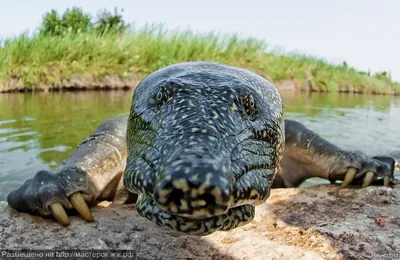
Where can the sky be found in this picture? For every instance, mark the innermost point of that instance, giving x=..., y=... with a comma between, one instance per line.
x=364, y=33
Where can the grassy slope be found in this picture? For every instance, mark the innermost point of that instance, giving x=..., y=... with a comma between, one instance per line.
x=53, y=62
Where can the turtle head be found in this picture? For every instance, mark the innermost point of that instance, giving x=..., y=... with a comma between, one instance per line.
x=204, y=144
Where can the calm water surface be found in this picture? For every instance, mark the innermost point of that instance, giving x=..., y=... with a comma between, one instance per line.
x=38, y=131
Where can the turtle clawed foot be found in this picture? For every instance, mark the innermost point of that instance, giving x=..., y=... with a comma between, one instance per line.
x=48, y=194
x=359, y=169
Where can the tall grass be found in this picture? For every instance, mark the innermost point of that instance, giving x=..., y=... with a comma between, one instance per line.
x=38, y=60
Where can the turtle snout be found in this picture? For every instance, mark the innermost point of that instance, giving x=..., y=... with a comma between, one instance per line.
x=197, y=188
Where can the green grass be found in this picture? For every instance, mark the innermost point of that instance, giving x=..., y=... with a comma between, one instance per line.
x=31, y=62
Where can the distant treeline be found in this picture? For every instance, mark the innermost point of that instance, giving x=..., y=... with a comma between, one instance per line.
x=76, y=21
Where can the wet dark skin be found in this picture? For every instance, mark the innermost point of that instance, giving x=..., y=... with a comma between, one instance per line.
x=203, y=143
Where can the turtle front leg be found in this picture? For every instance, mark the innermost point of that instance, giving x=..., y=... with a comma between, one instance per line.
x=48, y=193
x=92, y=173
x=307, y=155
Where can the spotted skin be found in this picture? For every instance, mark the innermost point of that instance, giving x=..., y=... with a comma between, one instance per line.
x=205, y=143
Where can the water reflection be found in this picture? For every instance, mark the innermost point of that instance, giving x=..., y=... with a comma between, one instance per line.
x=38, y=131
x=358, y=122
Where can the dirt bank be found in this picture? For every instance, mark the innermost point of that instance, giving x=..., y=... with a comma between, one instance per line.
x=299, y=223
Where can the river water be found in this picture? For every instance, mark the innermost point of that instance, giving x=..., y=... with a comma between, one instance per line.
x=38, y=131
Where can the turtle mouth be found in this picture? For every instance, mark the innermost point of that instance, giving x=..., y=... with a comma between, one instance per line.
x=234, y=217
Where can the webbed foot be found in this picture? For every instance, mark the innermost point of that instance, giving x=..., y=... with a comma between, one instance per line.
x=356, y=168
x=49, y=194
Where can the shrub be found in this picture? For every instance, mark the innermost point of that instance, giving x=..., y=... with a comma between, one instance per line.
x=108, y=22
x=73, y=21
x=51, y=23
x=76, y=21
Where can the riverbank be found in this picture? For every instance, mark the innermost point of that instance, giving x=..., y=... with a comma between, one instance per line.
x=112, y=61
x=89, y=82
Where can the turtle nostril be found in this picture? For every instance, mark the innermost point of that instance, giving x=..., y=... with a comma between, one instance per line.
x=175, y=197
x=208, y=198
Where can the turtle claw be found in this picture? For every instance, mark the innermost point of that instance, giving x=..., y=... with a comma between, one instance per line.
x=368, y=179
x=80, y=205
x=351, y=173
x=386, y=181
x=59, y=213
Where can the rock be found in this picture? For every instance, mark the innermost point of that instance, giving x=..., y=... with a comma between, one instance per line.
x=300, y=223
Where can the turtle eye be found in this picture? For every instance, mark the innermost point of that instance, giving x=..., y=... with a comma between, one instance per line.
x=162, y=95
x=249, y=107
